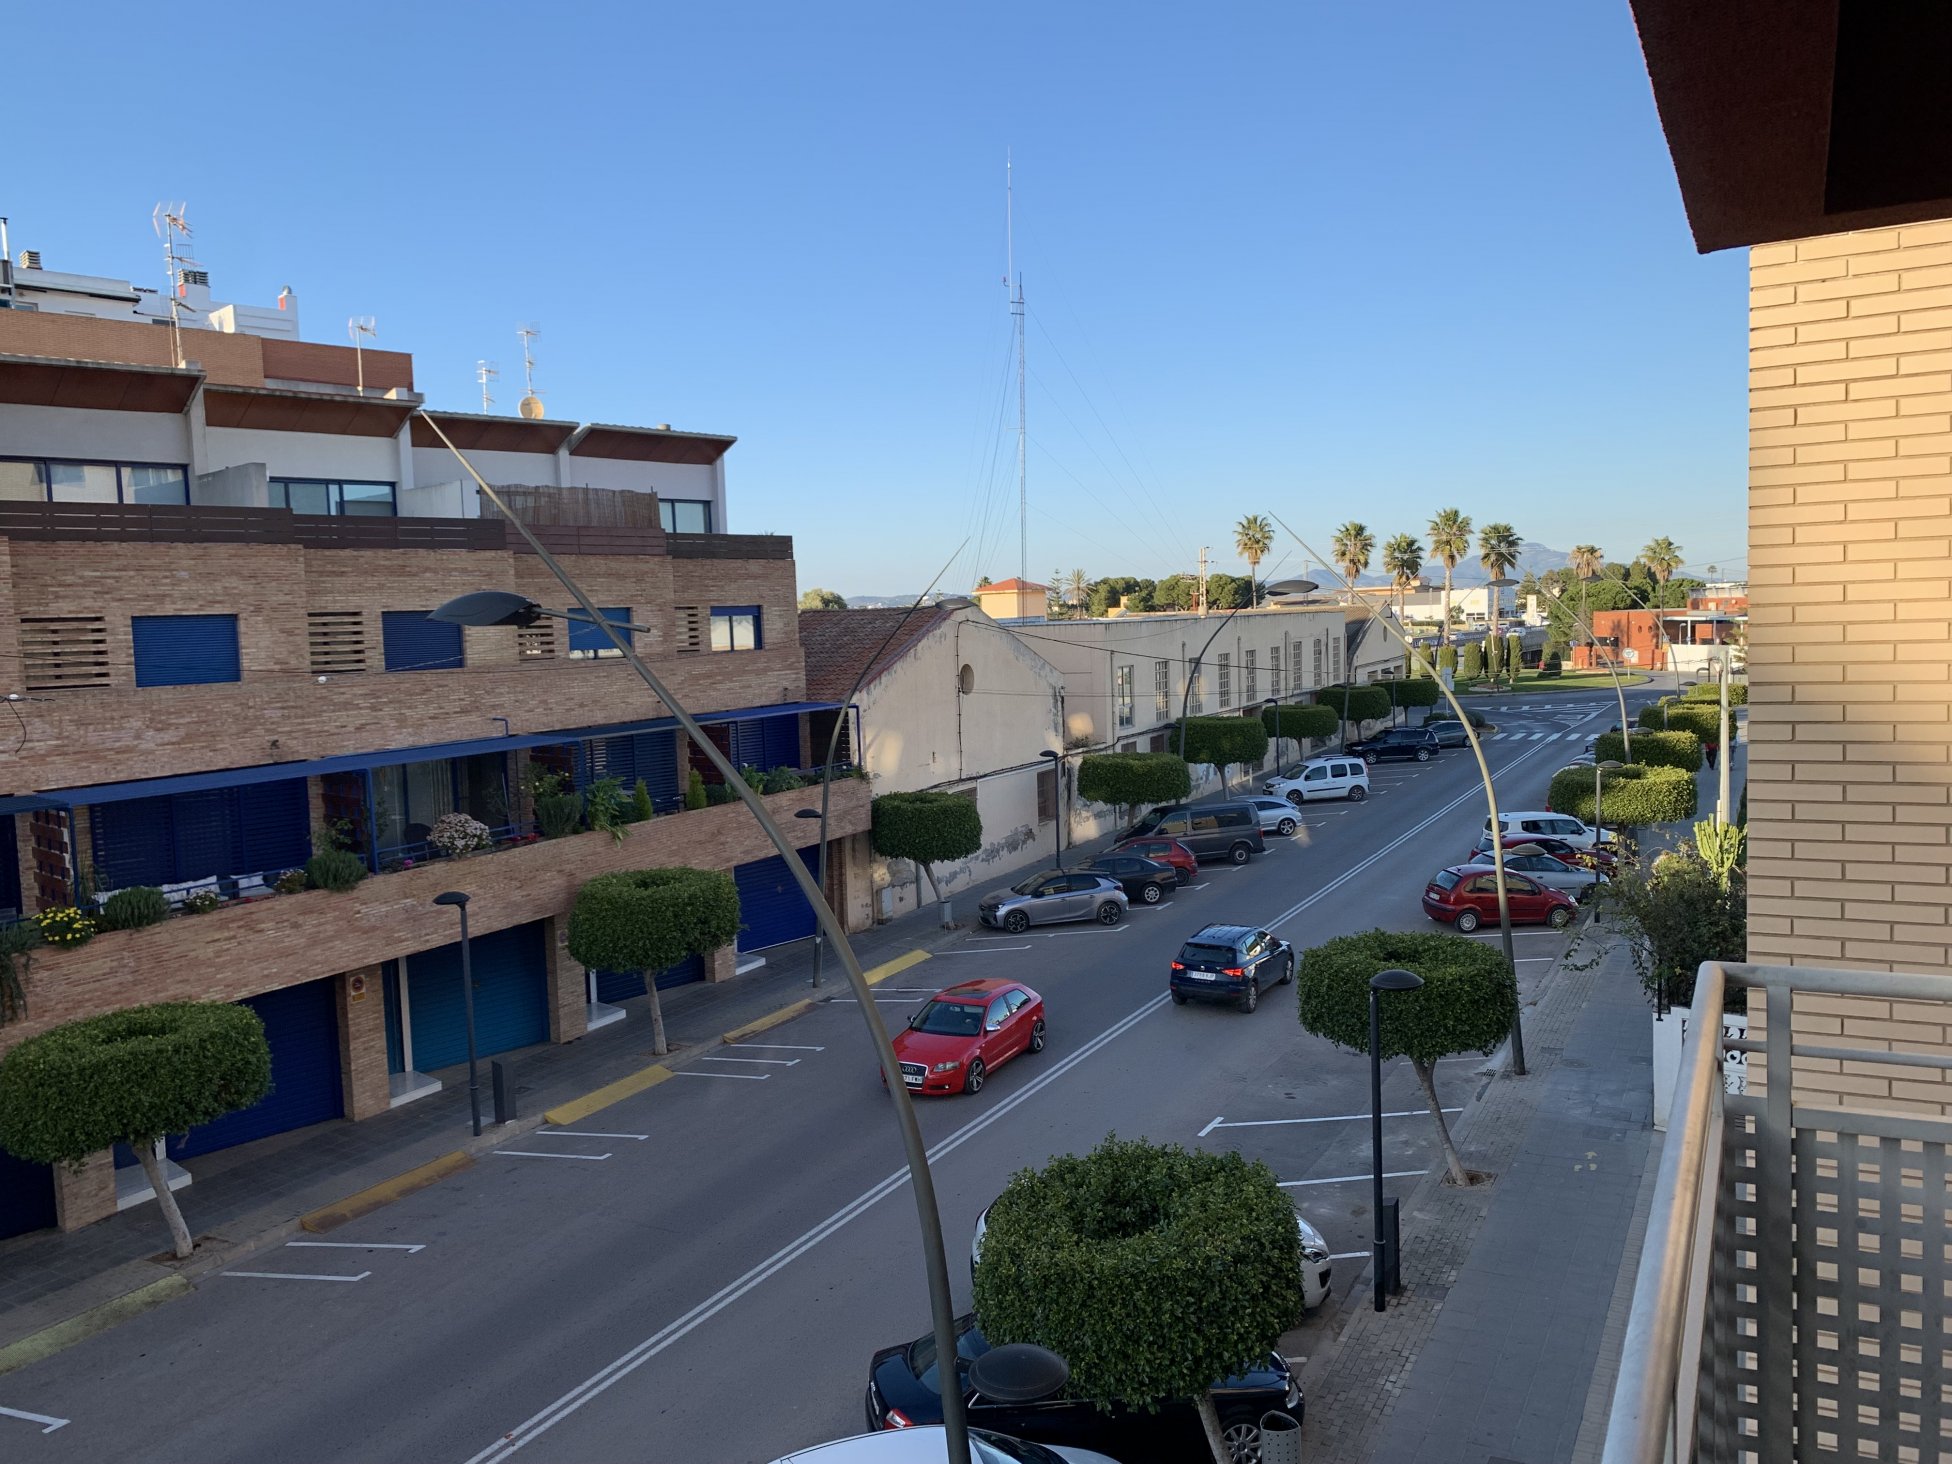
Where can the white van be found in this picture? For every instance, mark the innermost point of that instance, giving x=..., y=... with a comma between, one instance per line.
x=1334, y=776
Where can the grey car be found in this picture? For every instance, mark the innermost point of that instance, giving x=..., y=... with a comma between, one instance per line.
x=1549, y=871
x=1055, y=895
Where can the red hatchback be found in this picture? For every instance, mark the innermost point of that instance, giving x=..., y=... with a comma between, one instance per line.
x=1185, y=865
x=1466, y=896
x=966, y=1032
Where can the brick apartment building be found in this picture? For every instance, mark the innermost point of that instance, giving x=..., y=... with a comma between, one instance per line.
x=215, y=572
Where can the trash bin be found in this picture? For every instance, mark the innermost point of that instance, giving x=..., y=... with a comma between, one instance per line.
x=1280, y=1438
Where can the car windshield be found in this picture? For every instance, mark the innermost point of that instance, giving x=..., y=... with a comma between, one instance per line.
x=1195, y=951
x=1035, y=885
x=989, y=1448
x=1444, y=880
x=949, y=1019
x=970, y=1344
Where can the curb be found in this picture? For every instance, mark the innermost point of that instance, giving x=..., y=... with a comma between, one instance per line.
x=772, y=1019
x=331, y=1217
x=78, y=1328
x=609, y=1093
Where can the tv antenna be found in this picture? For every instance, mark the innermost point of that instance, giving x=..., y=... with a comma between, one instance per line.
x=170, y=220
x=359, y=328
x=1016, y=312
x=485, y=372
x=531, y=404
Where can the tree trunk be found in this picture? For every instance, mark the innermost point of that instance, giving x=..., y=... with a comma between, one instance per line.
x=934, y=888
x=1446, y=626
x=1210, y=1421
x=179, y=1233
x=1427, y=1075
x=658, y=1047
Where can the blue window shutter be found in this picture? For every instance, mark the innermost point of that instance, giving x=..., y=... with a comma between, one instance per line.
x=201, y=829
x=782, y=742
x=270, y=824
x=131, y=842
x=185, y=650
x=591, y=638
x=415, y=643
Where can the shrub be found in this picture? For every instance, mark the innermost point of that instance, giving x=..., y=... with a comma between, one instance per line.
x=1709, y=691
x=695, y=790
x=604, y=806
x=1422, y=692
x=334, y=869
x=1447, y=660
x=641, y=807
x=1653, y=749
x=291, y=882
x=1676, y=915
x=1630, y=797
x=926, y=829
x=202, y=902
x=1128, y=779
x=457, y=833
x=17, y=945
x=717, y=795
x=1365, y=703
x=1472, y=668
x=133, y=908
x=649, y=920
x=753, y=778
x=1514, y=653
x=1704, y=719
x=558, y=815
x=781, y=780
x=65, y=925
x=1300, y=721
x=1221, y=742
x=1551, y=666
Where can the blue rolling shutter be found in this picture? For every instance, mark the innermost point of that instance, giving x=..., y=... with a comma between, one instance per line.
x=9, y=868
x=780, y=738
x=301, y=1025
x=26, y=1196
x=271, y=828
x=220, y=831
x=652, y=756
x=772, y=910
x=616, y=986
x=396, y=1051
x=200, y=829
x=511, y=997
x=415, y=643
x=132, y=843
x=185, y=650
x=589, y=640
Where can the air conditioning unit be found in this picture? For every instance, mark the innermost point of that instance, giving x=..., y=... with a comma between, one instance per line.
x=30, y=259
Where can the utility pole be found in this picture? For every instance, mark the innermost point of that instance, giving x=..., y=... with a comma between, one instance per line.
x=1727, y=752
x=1199, y=594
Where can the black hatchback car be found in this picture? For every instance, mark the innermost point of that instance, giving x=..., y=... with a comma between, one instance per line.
x=1397, y=742
x=1230, y=963
x=904, y=1382
x=1145, y=880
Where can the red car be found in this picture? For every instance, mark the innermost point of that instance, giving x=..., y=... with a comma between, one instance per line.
x=1466, y=896
x=966, y=1032
x=1186, y=867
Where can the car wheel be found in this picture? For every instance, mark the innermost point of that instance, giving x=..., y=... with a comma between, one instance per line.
x=1467, y=921
x=1016, y=922
x=1286, y=826
x=1560, y=917
x=1287, y=971
x=1251, y=997
x=1179, y=998
x=1110, y=913
x=1356, y=795
x=1151, y=894
x=1037, y=1036
x=1370, y=758
x=1182, y=876
x=972, y=1081
x=1296, y=799
x=1240, y=1431
x=1423, y=754
x=1241, y=853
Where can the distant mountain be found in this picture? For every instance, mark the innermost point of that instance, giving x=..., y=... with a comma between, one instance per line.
x=1533, y=558
x=879, y=602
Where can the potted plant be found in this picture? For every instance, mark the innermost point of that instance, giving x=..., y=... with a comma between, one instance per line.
x=456, y=834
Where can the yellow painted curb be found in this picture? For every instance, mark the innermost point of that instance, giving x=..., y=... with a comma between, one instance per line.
x=331, y=1217
x=771, y=1019
x=900, y=963
x=50, y=1340
x=609, y=1093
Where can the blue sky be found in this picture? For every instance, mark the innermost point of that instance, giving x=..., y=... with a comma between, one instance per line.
x=1327, y=261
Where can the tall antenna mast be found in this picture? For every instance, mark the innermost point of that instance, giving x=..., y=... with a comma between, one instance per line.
x=1015, y=281
x=531, y=404
x=485, y=372
x=169, y=220
x=359, y=328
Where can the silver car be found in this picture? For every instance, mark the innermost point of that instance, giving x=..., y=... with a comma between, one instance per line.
x=1055, y=895
x=1277, y=815
x=1552, y=872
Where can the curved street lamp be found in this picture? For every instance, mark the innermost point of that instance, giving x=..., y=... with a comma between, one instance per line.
x=1619, y=690
x=1278, y=588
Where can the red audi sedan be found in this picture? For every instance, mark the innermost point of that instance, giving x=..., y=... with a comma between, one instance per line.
x=965, y=1032
x=1466, y=896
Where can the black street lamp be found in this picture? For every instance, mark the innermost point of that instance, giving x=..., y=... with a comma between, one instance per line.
x=460, y=902
x=1392, y=980
x=1057, y=797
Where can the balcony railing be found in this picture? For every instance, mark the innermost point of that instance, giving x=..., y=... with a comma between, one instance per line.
x=1794, y=1296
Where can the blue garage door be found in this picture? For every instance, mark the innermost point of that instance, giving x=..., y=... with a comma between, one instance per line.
x=615, y=986
x=772, y=910
x=301, y=1024
x=26, y=1196
x=511, y=997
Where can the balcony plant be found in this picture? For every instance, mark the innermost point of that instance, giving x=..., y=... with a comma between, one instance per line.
x=133, y=908
x=18, y=943
x=334, y=869
x=558, y=815
x=456, y=834
x=202, y=902
x=695, y=791
x=605, y=807
x=64, y=925
x=291, y=882
x=641, y=807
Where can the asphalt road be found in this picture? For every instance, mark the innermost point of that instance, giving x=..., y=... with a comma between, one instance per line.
x=701, y=1272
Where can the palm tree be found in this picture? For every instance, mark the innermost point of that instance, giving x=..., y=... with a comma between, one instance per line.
x=1403, y=560
x=1585, y=561
x=1351, y=548
x=1077, y=587
x=1253, y=537
x=1498, y=548
x=1450, y=541
x=1662, y=557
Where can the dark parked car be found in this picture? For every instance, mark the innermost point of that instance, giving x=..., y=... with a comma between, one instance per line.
x=1397, y=742
x=904, y=1389
x=1230, y=963
x=1146, y=880
x=1184, y=862
x=1449, y=732
x=1210, y=830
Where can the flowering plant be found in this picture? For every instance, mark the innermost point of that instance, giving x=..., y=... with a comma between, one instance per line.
x=456, y=833
x=291, y=882
x=65, y=926
x=202, y=902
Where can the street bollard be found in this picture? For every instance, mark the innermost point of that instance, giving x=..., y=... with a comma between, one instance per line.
x=1392, y=1246
x=1280, y=1439
x=504, y=1086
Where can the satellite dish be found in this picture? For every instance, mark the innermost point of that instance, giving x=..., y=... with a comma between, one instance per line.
x=531, y=407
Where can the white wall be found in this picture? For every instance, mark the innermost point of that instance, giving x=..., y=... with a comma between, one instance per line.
x=96, y=436
x=306, y=454
x=437, y=465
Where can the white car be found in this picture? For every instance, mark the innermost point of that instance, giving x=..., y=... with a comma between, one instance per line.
x=929, y=1445
x=1552, y=826
x=1277, y=815
x=1315, y=1267
x=1322, y=777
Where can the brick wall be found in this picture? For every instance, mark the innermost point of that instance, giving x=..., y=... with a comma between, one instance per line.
x=228, y=360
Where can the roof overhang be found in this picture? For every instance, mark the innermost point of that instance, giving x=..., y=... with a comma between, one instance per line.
x=1789, y=119
x=477, y=432
x=648, y=444
x=275, y=409
x=45, y=381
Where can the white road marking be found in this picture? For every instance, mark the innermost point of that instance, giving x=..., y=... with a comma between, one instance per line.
x=896, y=1000
x=353, y=1245
x=1349, y=1256
x=990, y=951
x=783, y=1046
x=587, y=1134
x=1333, y=1118
x=738, y=1077
x=1349, y=1178
x=763, y=1061
x=535, y=1154
x=294, y=1276
x=1200, y=886
x=52, y=1423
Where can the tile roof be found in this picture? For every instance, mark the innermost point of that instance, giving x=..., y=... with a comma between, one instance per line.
x=1004, y=587
x=838, y=644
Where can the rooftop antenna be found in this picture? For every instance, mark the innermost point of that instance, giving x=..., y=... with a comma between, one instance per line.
x=485, y=372
x=1016, y=312
x=531, y=404
x=170, y=220
x=359, y=327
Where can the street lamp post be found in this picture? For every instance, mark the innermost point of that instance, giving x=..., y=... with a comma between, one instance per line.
x=460, y=902
x=1391, y=980
x=1496, y=588
x=1619, y=689
x=1057, y=797
x=1612, y=767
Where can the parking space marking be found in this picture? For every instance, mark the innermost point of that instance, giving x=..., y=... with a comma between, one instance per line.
x=1349, y=1178
x=587, y=1134
x=856, y=1001
x=762, y=1061
x=738, y=1077
x=25, y=1417
x=1332, y=1118
x=536, y=1154
x=353, y=1245
x=990, y=951
x=294, y=1276
x=1349, y=1256
x=782, y=1046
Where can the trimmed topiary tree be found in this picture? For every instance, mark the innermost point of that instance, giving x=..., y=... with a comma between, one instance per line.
x=641, y=807
x=1221, y=742
x=927, y=829
x=1472, y=668
x=648, y=920
x=1153, y=1272
x=1711, y=691
x=1652, y=749
x=1467, y=1003
x=1630, y=797
x=1703, y=718
x=1447, y=661
x=1299, y=721
x=695, y=798
x=132, y=1077
x=1514, y=653
x=1128, y=779
x=1552, y=666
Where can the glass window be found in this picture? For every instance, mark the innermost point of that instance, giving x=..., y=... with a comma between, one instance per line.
x=331, y=496
x=735, y=628
x=369, y=500
x=1123, y=679
x=82, y=483
x=301, y=495
x=22, y=482
x=684, y=516
x=155, y=485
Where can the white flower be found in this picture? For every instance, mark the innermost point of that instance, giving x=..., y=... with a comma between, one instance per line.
x=456, y=833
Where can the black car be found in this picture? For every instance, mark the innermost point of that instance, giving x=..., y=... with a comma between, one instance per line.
x=1230, y=963
x=1397, y=742
x=903, y=1385
x=1145, y=880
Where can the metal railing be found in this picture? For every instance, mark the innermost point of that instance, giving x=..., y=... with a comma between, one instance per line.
x=1794, y=1290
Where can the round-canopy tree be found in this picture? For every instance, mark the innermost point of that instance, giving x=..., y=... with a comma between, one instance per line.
x=1299, y=721
x=1466, y=1004
x=648, y=920
x=1221, y=742
x=1153, y=1271
x=1128, y=779
x=926, y=829
x=819, y=599
x=132, y=1077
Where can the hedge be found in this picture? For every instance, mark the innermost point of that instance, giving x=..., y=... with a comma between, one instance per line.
x=1630, y=797
x=1472, y=668
x=1365, y=703
x=1704, y=720
x=1221, y=741
x=651, y=919
x=1709, y=691
x=1127, y=779
x=1465, y=1004
x=926, y=828
x=1422, y=692
x=1300, y=721
x=1652, y=749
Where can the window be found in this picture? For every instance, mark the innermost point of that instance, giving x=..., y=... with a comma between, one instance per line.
x=1226, y=681
x=1318, y=663
x=690, y=638
x=1194, y=688
x=736, y=628
x=591, y=642
x=46, y=480
x=1162, y=689
x=415, y=643
x=683, y=516
x=185, y=650
x=1250, y=681
x=63, y=652
x=1122, y=694
x=1046, y=795
x=332, y=496
x=1274, y=670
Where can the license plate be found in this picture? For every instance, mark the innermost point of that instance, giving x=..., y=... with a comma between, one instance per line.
x=1201, y=975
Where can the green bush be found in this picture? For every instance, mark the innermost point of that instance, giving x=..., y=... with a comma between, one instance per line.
x=1514, y=653
x=717, y=795
x=641, y=807
x=695, y=790
x=558, y=815
x=334, y=869
x=1652, y=749
x=1472, y=668
x=1709, y=691
x=133, y=908
x=1422, y=692
x=925, y=828
x=780, y=780
x=1447, y=660
x=1676, y=915
x=1300, y=720
x=1221, y=742
x=18, y=942
x=1128, y=779
x=651, y=919
x=1630, y=797
x=1704, y=719
x=605, y=807
x=1551, y=666
x=1365, y=703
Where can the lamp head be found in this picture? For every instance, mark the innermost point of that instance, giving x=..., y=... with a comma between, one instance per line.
x=1610, y=765
x=1293, y=587
x=955, y=602
x=806, y=813
x=489, y=607
x=452, y=897
x=1052, y=753
x=1395, y=980
x=1019, y=1372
